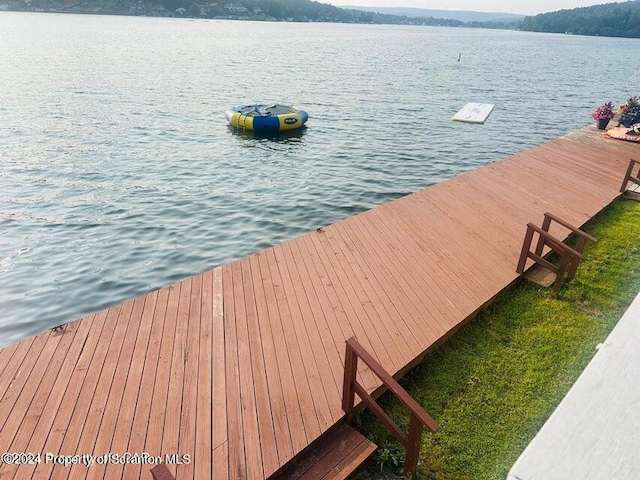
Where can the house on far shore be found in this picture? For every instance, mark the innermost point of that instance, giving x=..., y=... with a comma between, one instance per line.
x=235, y=8
x=209, y=10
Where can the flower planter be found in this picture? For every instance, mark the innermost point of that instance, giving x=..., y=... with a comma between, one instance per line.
x=631, y=116
x=602, y=115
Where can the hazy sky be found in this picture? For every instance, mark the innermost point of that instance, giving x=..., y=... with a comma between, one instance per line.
x=527, y=7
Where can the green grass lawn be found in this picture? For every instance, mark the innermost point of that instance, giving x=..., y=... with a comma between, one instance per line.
x=493, y=384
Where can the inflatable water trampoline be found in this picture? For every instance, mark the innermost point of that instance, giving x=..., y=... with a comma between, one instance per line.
x=266, y=118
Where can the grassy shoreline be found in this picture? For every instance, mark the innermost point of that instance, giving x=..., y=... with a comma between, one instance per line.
x=493, y=384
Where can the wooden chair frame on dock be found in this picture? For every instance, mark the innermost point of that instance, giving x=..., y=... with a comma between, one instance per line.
x=629, y=177
x=569, y=257
x=419, y=417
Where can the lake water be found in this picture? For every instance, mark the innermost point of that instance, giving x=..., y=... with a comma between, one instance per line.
x=119, y=175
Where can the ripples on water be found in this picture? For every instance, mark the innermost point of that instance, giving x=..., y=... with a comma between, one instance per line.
x=118, y=173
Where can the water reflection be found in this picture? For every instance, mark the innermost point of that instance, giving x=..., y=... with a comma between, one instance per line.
x=286, y=136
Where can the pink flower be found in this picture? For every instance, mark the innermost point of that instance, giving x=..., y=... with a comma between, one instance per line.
x=604, y=112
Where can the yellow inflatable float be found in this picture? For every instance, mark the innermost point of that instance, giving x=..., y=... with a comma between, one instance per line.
x=266, y=118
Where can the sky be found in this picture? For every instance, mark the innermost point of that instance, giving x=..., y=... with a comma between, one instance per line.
x=525, y=7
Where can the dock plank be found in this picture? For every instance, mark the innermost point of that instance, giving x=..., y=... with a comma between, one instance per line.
x=248, y=408
x=218, y=386
x=237, y=461
x=347, y=296
x=277, y=404
x=20, y=385
x=38, y=417
x=426, y=283
x=264, y=415
x=385, y=299
x=101, y=411
x=285, y=328
x=450, y=271
x=293, y=433
x=319, y=384
x=175, y=394
x=368, y=296
x=202, y=458
x=308, y=264
x=6, y=356
x=70, y=393
x=339, y=297
x=77, y=420
x=398, y=278
x=114, y=402
x=192, y=361
x=316, y=310
x=130, y=392
x=129, y=399
x=155, y=433
x=11, y=358
x=152, y=361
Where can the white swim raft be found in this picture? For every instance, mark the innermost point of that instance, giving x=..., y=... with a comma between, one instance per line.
x=474, y=113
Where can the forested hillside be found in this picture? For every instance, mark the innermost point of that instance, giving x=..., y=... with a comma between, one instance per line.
x=270, y=10
x=610, y=20
x=307, y=10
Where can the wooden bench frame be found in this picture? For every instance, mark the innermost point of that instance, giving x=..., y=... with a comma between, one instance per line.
x=419, y=417
x=569, y=257
x=629, y=177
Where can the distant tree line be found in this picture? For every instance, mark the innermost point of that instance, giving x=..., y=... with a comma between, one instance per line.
x=311, y=11
x=611, y=20
x=608, y=20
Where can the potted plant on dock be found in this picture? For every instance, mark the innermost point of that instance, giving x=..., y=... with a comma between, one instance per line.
x=602, y=115
x=629, y=112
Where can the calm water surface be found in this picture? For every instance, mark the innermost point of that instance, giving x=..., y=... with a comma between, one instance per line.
x=118, y=174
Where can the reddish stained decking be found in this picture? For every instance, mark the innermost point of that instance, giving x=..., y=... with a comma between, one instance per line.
x=241, y=367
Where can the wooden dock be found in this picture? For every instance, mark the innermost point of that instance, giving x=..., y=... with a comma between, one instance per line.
x=240, y=368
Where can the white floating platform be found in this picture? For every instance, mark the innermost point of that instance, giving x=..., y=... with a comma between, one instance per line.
x=474, y=113
x=594, y=434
